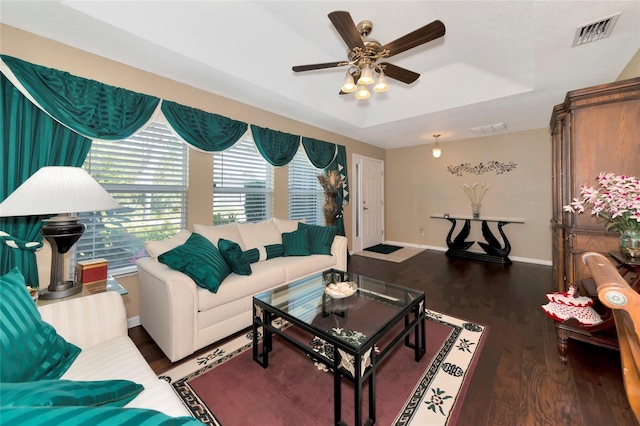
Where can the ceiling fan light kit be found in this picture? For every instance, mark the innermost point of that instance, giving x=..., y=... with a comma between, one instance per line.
x=364, y=52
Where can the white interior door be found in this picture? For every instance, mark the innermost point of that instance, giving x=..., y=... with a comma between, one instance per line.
x=369, y=221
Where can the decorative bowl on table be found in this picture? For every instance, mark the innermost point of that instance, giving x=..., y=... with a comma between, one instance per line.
x=340, y=290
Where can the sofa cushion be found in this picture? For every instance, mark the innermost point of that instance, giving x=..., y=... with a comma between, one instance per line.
x=286, y=225
x=31, y=349
x=320, y=237
x=228, y=231
x=264, y=275
x=45, y=416
x=296, y=243
x=259, y=254
x=259, y=234
x=200, y=260
x=156, y=248
x=234, y=257
x=115, y=393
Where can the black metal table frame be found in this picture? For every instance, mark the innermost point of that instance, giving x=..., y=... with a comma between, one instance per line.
x=264, y=314
x=493, y=250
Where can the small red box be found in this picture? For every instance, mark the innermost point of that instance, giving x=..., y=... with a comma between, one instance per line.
x=91, y=271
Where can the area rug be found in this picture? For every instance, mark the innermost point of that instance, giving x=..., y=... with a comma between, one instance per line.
x=398, y=256
x=226, y=387
x=383, y=248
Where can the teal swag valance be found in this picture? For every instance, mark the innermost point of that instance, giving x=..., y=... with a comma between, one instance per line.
x=203, y=130
x=278, y=148
x=320, y=153
x=92, y=109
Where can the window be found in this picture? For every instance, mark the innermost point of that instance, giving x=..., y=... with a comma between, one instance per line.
x=242, y=185
x=305, y=193
x=147, y=175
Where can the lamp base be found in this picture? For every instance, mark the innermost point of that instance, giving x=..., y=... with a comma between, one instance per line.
x=64, y=289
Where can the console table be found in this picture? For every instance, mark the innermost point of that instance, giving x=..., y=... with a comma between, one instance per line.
x=494, y=250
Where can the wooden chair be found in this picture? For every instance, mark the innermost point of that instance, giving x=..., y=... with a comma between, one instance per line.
x=624, y=302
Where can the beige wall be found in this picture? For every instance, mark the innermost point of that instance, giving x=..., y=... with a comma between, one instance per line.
x=38, y=50
x=422, y=186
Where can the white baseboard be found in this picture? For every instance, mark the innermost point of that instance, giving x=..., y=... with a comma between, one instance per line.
x=133, y=322
x=437, y=248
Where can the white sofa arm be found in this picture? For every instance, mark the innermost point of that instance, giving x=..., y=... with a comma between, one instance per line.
x=88, y=321
x=168, y=308
x=339, y=249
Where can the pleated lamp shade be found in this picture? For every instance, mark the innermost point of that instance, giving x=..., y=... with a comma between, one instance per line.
x=57, y=189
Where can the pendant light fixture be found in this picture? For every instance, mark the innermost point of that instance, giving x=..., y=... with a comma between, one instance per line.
x=436, y=151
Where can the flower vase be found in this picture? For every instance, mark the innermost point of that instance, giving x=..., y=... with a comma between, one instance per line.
x=630, y=243
x=475, y=210
x=330, y=208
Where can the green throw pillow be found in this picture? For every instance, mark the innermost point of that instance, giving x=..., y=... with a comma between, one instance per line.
x=115, y=393
x=321, y=237
x=30, y=348
x=232, y=254
x=70, y=416
x=296, y=243
x=265, y=253
x=200, y=260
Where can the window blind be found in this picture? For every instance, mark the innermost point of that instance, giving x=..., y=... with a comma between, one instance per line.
x=242, y=185
x=147, y=175
x=305, y=192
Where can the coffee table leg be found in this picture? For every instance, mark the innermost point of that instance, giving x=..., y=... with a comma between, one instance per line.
x=420, y=338
x=337, y=394
x=372, y=396
x=357, y=403
x=262, y=357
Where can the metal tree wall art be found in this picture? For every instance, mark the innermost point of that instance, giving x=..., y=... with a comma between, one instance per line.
x=481, y=168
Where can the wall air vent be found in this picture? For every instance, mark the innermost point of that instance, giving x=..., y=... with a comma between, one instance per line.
x=491, y=128
x=595, y=31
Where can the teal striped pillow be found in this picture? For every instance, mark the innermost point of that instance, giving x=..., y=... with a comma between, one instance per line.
x=31, y=349
x=321, y=237
x=115, y=393
x=296, y=243
x=200, y=260
x=269, y=252
x=68, y=416
x=234, y=257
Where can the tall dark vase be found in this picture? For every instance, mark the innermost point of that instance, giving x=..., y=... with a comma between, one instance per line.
x=330, y=208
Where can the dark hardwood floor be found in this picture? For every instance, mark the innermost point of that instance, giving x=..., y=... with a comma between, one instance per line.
x=519, y=379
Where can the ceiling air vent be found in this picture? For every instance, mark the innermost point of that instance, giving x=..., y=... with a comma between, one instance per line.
x=491, y=128
x=595, y=31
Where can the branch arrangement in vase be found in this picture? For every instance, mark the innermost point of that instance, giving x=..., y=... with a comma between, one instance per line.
x=475, y=192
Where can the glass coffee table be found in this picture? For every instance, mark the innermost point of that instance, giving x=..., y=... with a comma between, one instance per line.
x=350, y=334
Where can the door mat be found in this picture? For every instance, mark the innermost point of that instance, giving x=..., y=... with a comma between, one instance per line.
x=383, y=248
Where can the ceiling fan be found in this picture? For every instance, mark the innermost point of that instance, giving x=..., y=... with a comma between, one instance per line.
x=364, y=53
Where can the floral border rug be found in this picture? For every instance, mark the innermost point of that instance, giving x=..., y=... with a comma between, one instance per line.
x=435, y=400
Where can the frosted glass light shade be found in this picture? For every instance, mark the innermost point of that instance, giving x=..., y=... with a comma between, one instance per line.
x=366, y=76
x=348, y=86
x=57, y=189
x=362, y=93
x=381, y=84
x=436, y=151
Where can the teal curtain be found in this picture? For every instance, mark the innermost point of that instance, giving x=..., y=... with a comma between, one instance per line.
x=277, y=148
x=31, y=139
x=90, y=108
x=342, y=197
x=320, y=153
x=204, y=130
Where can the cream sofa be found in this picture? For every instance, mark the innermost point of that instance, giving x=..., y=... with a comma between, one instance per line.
x=98, y=325
x=182, y=317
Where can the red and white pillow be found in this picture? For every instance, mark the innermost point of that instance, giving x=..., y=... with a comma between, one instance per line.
x=566, y=299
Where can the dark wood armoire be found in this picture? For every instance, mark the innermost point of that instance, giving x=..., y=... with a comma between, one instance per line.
x=596, y=129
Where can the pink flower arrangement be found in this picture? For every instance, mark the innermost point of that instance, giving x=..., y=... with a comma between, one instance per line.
x=617, y=200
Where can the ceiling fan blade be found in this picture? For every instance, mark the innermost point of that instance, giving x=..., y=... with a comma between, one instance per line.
x=346, y=28
x=399, y=73
x=415, y=38
x=300, y=68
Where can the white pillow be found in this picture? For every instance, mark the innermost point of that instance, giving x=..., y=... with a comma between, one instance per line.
x=259, y=234
x=156, y=248
x=214, y=233
x=285, y=225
